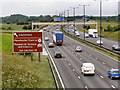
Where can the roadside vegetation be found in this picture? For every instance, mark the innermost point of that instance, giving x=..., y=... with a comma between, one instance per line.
x=109, y=29
x=20, y=72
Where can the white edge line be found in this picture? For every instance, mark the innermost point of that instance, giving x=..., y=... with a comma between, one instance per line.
x=55, y=68
x=101, y=76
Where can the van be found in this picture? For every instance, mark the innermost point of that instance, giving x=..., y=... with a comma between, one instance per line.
x=88, y=68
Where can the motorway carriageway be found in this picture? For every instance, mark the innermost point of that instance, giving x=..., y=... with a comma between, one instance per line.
x=106, y=42
x=69, y=65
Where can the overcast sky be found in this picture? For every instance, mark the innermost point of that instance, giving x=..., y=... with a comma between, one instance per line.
x=52, y=7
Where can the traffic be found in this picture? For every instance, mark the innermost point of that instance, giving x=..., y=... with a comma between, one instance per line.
x=75, y=54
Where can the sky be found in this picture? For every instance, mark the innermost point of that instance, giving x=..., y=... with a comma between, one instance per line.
x=53, y=7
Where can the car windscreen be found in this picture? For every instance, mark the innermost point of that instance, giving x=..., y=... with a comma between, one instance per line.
x=116, y=72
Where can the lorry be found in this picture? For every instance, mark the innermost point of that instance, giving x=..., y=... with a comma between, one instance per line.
x=58, y=37
x=93, y=33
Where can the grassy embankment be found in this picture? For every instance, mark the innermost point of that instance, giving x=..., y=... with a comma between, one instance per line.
x=20, y=72
x=112, y=35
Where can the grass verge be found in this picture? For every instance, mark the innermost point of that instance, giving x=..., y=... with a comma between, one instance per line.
x=20, y=72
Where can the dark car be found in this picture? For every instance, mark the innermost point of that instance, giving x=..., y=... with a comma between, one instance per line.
x=114, y=73
x=58, y=55
x=116, y=47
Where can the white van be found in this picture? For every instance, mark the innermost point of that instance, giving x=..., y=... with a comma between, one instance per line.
x=88, y=68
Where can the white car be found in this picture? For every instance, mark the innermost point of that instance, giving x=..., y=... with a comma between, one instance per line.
x=88, y=68
x=98, y=42
x=116, y=47
x=46, y=39
x=86, y=35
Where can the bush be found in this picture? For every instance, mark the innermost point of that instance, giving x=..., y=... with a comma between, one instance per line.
x=25, y=27
x=9, y=28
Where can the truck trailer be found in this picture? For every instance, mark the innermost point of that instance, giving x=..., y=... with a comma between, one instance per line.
x=58, y=37
x=93, y=33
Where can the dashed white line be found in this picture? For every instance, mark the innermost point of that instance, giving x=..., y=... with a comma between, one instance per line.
x=112, y=86
x=101, y=76
x=86, y=87
x=73, y=70
x=69, y=64
x=65, y=59
x=103, y=63
x=78, y=77
x=96, y=58
x=81, y=58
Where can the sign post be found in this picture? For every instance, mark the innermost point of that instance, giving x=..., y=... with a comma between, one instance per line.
x=27, y=42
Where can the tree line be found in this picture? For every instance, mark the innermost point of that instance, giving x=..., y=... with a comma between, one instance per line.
x=26, y=20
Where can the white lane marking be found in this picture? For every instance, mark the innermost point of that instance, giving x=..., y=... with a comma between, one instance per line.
x=65, y=59
x=81, y=58
x=86, y=87
x=112, y=86
x=78, y=77
x=73, y=70
x=103, y=62
x=69, y=64
x=101, y=76
x=96, y=58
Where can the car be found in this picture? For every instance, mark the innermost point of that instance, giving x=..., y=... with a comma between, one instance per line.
x=78, y=49
x=116, y=47
x=77, y=34
x=58, y=55
x=88, y=69
x=57, y=29
x=46, y=39
x=114, y=73
x=86, y=35
x=50, y=44
x=98, y=42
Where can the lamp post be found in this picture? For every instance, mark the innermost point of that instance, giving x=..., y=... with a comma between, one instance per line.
x=74, y=15
x=67, y=20
x=84, y=17
x=100, y=19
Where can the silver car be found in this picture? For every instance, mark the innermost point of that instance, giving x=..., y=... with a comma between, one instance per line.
x=98, y=42
x=46, y=39
x=78, y=49
x=116, y=47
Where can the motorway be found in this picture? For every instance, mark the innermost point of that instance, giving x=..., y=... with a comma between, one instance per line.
x=106, y=42
x=69, y=65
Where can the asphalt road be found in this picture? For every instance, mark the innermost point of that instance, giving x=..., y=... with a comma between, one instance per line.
x=107, y=43
x=69, y=65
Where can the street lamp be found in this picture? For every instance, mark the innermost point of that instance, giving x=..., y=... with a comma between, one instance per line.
x=74, y=15
x=100, y=19
x=68, y=20
x=84, y=17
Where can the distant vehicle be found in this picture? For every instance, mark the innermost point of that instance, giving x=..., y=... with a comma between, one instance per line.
x=114, y=73
x=58, y=37
x=88, y=68
x=78, y=49
x=58, y=55
x=98, y=42
x=57, y=29
x=46, y=39
x=44, y=29
x=116, y=47
x=77, y=34
x=50, y=44
x=86, y=35
x=93, y=33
